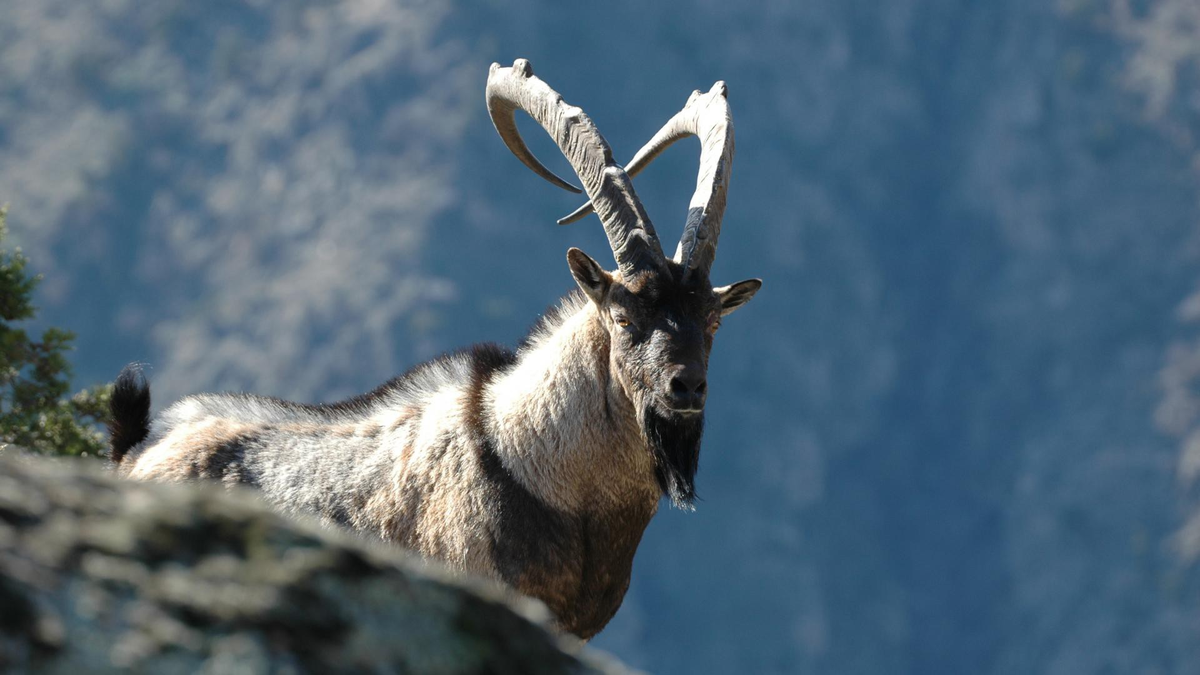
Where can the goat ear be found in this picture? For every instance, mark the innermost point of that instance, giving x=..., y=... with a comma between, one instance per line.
x=736, y=295
x=592, y=278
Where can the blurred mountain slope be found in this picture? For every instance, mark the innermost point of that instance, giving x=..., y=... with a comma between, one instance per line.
x=932, y=439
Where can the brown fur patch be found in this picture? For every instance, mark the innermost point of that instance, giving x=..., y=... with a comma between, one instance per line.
x=639, y=282
x=410, y=414
x=212, y=449
x=343, y=431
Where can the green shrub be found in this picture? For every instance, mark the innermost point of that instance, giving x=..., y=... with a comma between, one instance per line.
x=35, y=411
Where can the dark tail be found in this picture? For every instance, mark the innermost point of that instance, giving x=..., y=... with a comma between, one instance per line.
x=129, y=408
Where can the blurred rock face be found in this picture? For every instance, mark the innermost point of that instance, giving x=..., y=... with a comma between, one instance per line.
x=103, y=575
x=944, y=438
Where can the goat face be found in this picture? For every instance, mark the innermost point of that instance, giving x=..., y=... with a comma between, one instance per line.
x=661, y=324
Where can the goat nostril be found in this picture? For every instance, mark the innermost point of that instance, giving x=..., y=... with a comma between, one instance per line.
x=685, y=387
x=678, y=388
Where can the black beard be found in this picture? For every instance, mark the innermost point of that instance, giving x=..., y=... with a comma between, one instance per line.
x=675, y=442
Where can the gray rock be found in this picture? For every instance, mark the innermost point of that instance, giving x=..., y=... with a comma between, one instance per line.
x=98, y=574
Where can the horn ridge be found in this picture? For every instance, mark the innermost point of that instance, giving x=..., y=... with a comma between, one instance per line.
x=707, y=116
x=630, y=233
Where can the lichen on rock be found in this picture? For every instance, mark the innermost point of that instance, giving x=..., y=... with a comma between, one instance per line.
x=101, y=574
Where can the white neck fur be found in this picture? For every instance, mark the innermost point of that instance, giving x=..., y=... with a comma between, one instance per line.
x=564, y=427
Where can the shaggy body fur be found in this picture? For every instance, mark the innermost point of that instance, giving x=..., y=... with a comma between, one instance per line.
x=531, y=468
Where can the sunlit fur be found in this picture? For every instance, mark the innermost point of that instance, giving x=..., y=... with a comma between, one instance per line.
x=528, y=467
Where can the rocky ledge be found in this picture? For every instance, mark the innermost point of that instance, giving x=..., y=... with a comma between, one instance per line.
x=100, y=574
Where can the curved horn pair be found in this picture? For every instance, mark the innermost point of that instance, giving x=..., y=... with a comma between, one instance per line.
x=705, y=115
x=709, y=117
x=630, y=233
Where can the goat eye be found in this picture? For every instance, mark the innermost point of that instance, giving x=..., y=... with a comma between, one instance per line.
x=714, y=322
x=622, y=320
